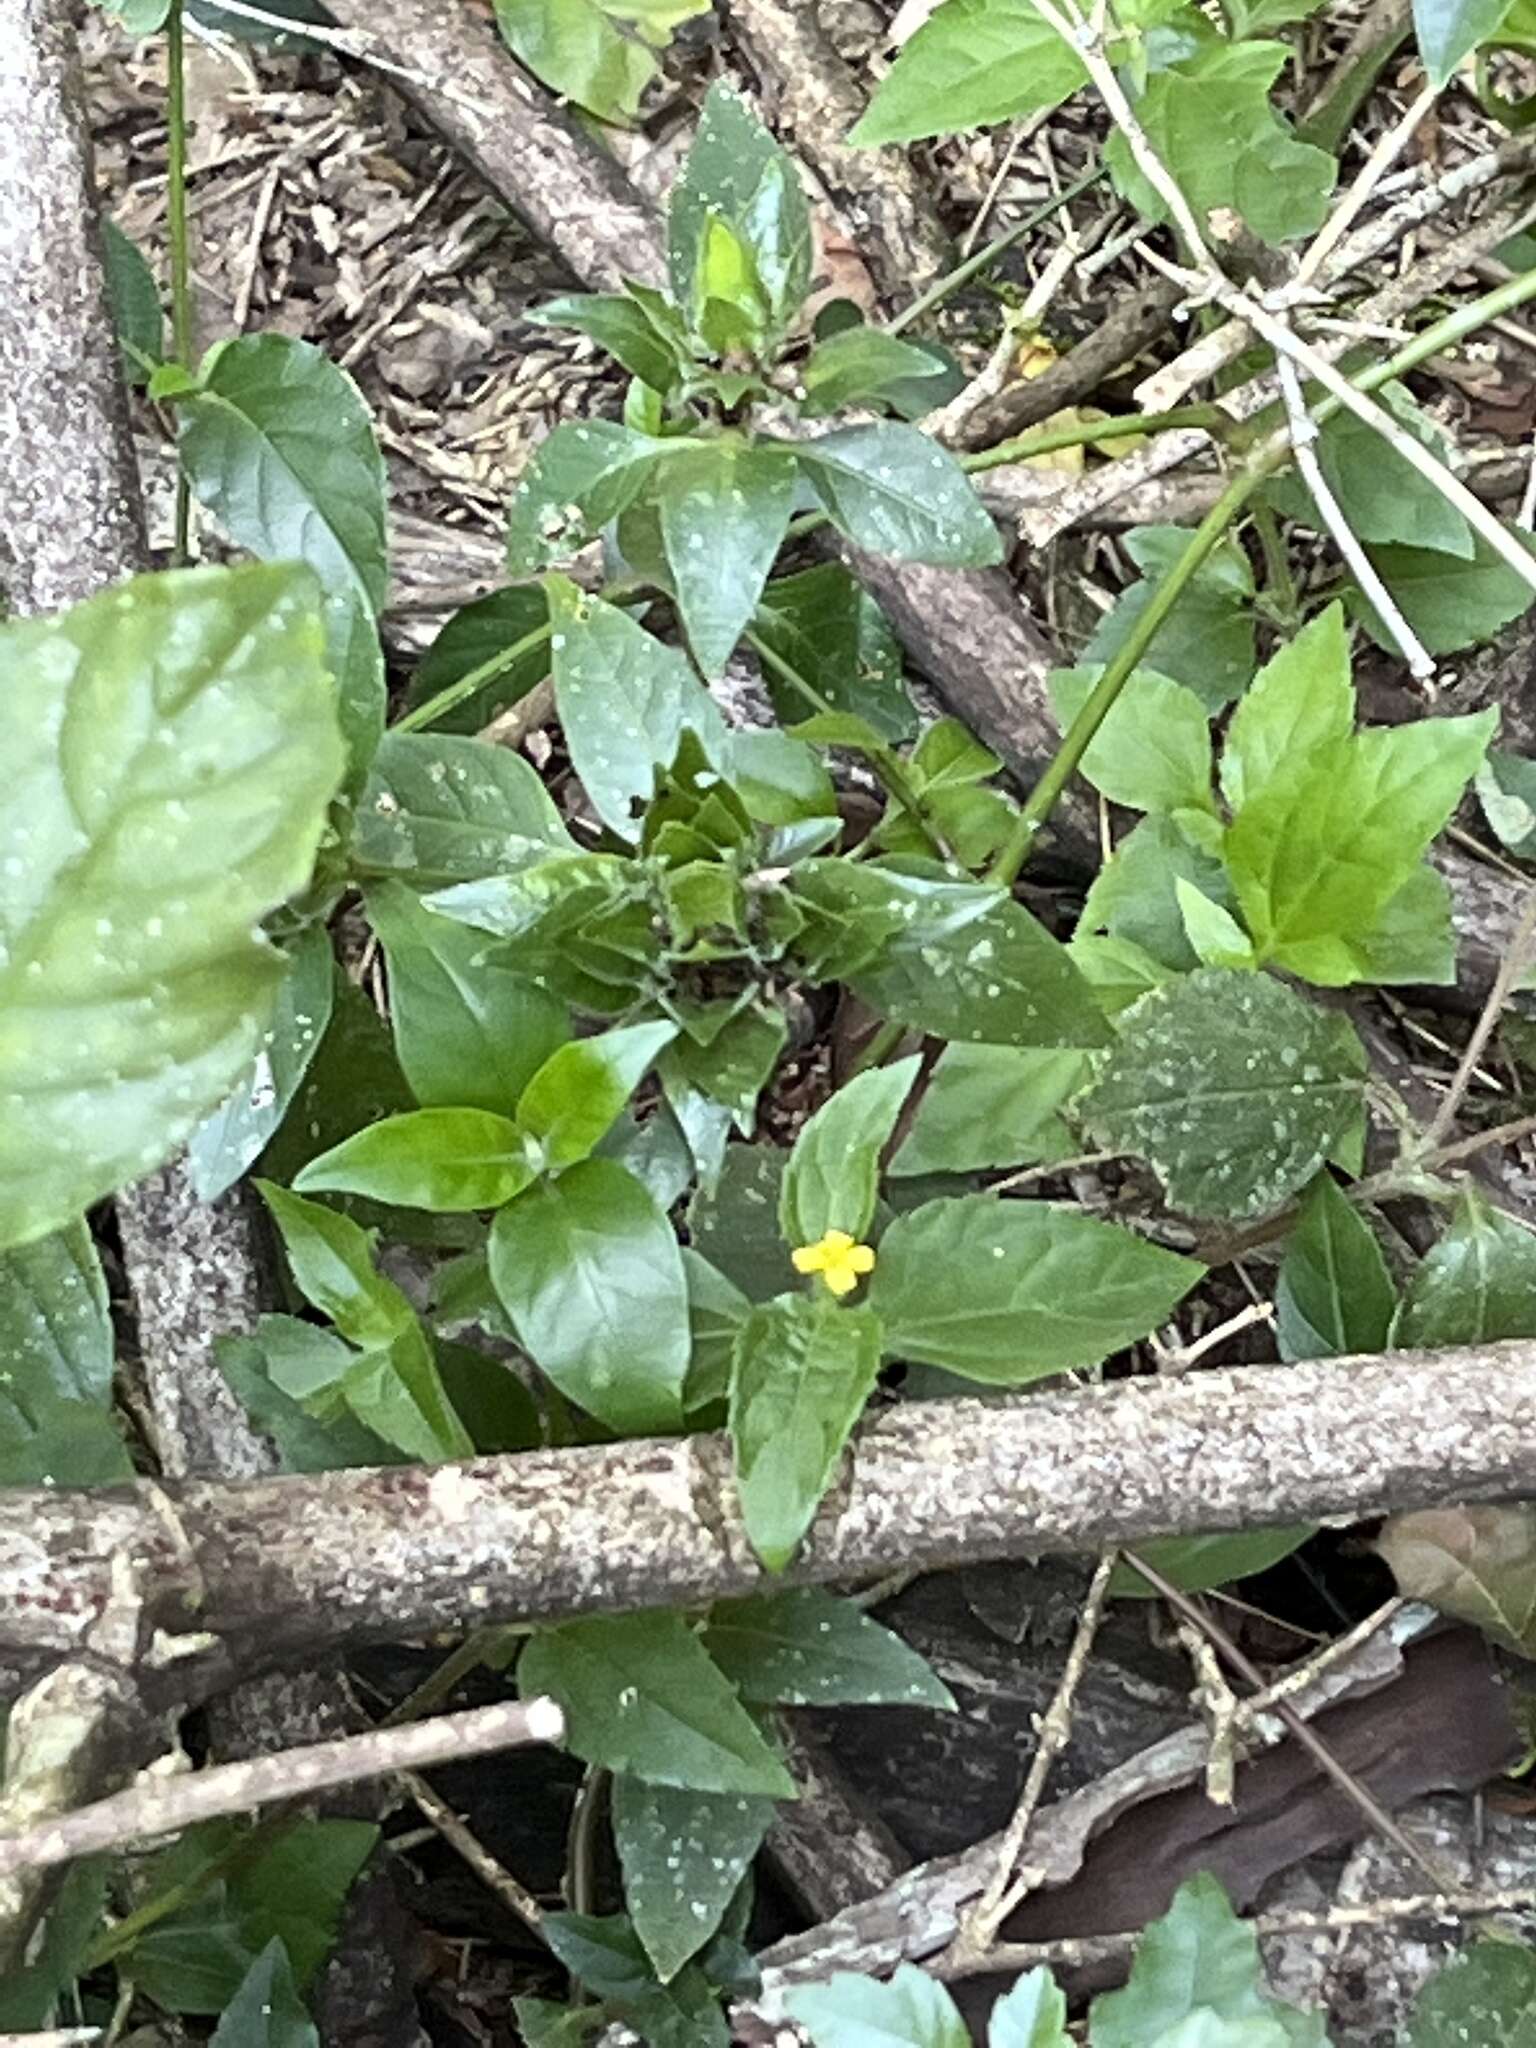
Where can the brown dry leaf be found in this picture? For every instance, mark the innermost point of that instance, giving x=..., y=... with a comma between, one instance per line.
x=1476, y=1563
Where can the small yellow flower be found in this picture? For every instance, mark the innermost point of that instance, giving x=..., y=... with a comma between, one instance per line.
x=841, y=1263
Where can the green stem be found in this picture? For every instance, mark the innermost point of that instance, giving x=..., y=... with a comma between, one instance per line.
x=454, y=694
x=983, y=258
x=1046, y=440
x=181, y=259
x=881, y=1046
x=252, y=1842
x=479, y=1648
x=1279, y=583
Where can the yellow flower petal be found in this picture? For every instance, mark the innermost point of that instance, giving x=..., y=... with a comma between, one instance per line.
x=840, y=1279
x=861, y=1258
x=808, y=1258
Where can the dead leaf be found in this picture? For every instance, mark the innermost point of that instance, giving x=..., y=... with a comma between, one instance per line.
x=1476, y=1563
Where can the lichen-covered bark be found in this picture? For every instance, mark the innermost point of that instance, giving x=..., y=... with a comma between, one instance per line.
x=291, y=1568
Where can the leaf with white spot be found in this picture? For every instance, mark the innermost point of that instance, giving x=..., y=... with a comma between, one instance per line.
x=811, y=1648
x=683, y=1854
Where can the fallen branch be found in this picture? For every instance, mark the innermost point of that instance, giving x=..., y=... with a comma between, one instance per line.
x=272, y=1570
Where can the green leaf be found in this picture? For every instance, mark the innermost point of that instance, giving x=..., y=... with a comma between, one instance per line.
x=621, y=324
x=469, y=1032
x=1382, y=496
x=913, y=2010
x=725, y=505
x=1234, y=1088
x=1196, y=1563
x=1214, y=934
x=801, y=1372
x=31, y=1992
x=588, y=50
x=607, y=1956
x=1478, y=1284
x=572, y=1101
x=55, y=1328
x=171, y=749
x=1207, y=640
x=277, y=442
x=588, y=1268
x=442, y=1159
x=892, y=490
x=973, y=62
x=1135, y=896
x=1153, y=751
x=1118, y=970
x=304, y=1442
x=861, y=365
x=831, y=632
x=1506, y=788
x=1198, y=1956
x=1478, y=1564
x=577, y=481
x=138, y=17
x=1334, y=1294
x=832, y=1179
x=641, y=1696
x=438, y=808
x=1324, y=846
x=1209, y=118
x=735, y=1067
x=811, y=1648
x=1006, y=1292
x=212, y=15
x=1483, y=1998
x=234, y=1136
x=625, y=702
x=993, y=1105
x=1448, y=30
x=1450, y=604
x=683, y=1854
x=735, y=1225
x=267, y=2012
x=738, y=177
x=478, y=633
x=1032, y=2014
x=1302, y=699
x=137, y=314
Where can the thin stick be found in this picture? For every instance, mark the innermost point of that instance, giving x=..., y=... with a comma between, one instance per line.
x=353, y=43
x=973, y=266
x=180, y=246
x=163, y=1807
x=1301, y=1729
x=1304, y=433
x=1355, y=200
x=517, y=1899
x=1004, y=1890
x=1510, y=967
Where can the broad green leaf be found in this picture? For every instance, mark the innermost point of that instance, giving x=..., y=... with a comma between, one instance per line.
x=1334, y=1294
x=572, y=1101
x=479, y=633
x=1506, y=788
x=683, y=1854
x=580, y=478
x=30, y=1994
x=1450, y=604
x=595, y=52
x=832, y=1180
x=1032, y=2014
x=620, y=324
x=1483, y=1998
x=641, y=1696
x=267, y=2012
x=912, y=2010
x=443, y=1159
x=735, y=1067
x=135, y=299
x=993, y=1105
x=1199, y=1955
x=1210, y=118
x=724, y=507
x=439, y=808
x=1196, y=1563
x=1382, y=496
x=1478, y=1284
x=717, y=1308
x=830, y=631
x=1234, y=1087
x=1478, y=1564
x=861, y=365
x=353, y=1080
x=972, y=62
x=1448, y=30
x=1135, y=895
x=304, y=1442
x=1118, y=970
x=1413, y=939
x=1321, y=850
x=735, y=1224
x=588, y=1268
x=800, y=1375
x=892, y=490
x=1214, y=934
x=170, y=748
x=1153, y=751
x=737, y=176
x=138, y=17
x=811, y=1648
x=625, y=702
x=468, y=1031
x=234, y=1136
x=277, y=442
x=1207, y=640
x=607, y=1956
x=1302, y=699
x=1006, y=1292
x=55, y=1328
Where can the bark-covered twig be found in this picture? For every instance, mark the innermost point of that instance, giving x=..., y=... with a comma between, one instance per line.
x=164, y=1806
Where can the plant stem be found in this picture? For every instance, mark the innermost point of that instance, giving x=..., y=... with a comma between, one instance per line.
x=454, y=694
x=1046, y=440
x=983, y=258
x=1279, y=583
x=252, y=1842
x=181, y=260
